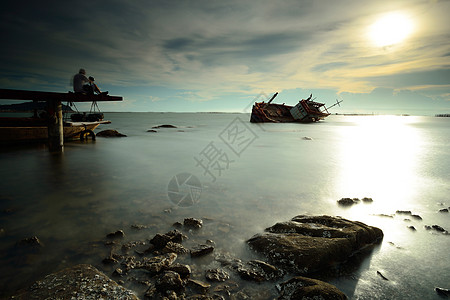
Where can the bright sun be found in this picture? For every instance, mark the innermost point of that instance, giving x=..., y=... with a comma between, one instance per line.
x=391, y=29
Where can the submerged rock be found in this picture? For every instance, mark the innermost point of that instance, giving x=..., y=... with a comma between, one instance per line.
x=183, y=270
x=218, y=275
x=381, y=275
x=436, y=228
x=169, y=281
x=78, y=282
x=198, y=286
x=164, y=126
x=193, y=223
x=351, y=201
x=201, y=250
x=156, y=264
x=347, y=201
x=110, y=133
x=307, y=288
x=168, y=242
x=417, y=217
x=307, y=244
x=31, y=242
x=367, y=200
x=444, y=210
x=116, y=235
x=403, y=212
x=442, y=292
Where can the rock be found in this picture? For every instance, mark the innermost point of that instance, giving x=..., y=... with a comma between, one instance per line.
x=442, y=292
x=116, y=235
x=110, y=260
x=267, y=270
x=118, y=272
x=183, y=270
x=110, y=133
x=367, y=200
x=227, y=260
x=164, y=126
x=403, y=212
x=383, y=215
x=31, y=242
x=444, y=210
x=151, y=130
x=169, y=281
x=139, y=226
x=307, y=244
x=160, y=241
x=417, y=217
x=347, y=201
x=198, y=286
x=193, y=223
x=307, y=138
x=176, y=236
x=174, y=248
x=218, y=275
x=247, y=273
x=412, y=228
x=201, y=250
x=127, y=246
x=258, y=271
x=78, y=282
x=438, y=228
x=307, y=288
x=151, y=292
x=177, y=224
x=381, y=275
x=156, y=264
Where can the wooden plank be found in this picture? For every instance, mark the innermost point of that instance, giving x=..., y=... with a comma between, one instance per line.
x=52, y=96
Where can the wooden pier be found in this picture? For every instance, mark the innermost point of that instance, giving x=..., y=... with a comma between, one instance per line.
x=54, y=109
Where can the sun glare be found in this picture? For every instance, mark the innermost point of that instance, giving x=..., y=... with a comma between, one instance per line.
x=391, y=29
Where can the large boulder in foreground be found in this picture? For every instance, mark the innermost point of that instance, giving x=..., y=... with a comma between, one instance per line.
x=78, y=282
x=307, y=244
x=307, y=288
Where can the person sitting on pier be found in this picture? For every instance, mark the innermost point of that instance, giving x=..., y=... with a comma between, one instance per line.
x=81, y=84
x=94, y=87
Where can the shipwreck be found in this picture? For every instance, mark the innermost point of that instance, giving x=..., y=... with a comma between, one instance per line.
x=305, y=111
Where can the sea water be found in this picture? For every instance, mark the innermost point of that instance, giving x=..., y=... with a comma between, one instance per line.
x=240, y=178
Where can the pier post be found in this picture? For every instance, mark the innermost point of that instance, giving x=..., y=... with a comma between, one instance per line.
x=55, y=126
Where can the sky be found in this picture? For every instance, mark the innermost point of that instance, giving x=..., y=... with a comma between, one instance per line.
x=383, y=56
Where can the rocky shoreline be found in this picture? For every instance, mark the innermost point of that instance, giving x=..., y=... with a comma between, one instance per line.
x=165, y=267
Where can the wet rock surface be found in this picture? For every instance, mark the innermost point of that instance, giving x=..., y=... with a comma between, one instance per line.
x=110, y=133
x=307, y=288
x=162, y=267
x=307, y=244
x=78, y=282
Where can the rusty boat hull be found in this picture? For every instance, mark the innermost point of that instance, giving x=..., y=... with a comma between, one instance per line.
x=306, y=111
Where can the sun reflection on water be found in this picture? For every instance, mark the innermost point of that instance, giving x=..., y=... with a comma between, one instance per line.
x=379, y=159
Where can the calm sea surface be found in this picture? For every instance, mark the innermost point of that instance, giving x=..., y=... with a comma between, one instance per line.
x=239, y=178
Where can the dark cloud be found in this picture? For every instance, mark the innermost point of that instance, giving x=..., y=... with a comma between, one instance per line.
x=209, y=46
